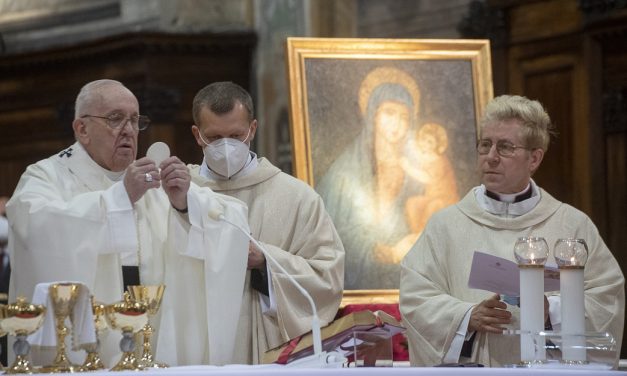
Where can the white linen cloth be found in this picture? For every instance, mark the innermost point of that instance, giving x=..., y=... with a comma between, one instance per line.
x=81, y=323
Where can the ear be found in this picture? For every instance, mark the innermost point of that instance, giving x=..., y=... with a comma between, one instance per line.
x=80, y=131
x=535, y=159
x=253, y=129
x=196, y=133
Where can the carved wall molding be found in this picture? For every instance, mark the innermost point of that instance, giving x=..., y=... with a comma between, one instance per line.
x=79, y=13
x=128, y=44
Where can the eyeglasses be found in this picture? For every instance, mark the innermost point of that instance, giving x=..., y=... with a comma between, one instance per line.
x=504, y=148
x=118, y=120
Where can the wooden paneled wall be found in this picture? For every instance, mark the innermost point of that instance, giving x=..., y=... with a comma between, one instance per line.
x=38, y=90
x=572, y=56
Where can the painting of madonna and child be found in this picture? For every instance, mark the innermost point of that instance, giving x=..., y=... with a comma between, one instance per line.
x=391, y=141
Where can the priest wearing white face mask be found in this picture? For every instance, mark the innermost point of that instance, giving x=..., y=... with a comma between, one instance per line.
x=286, y=215
x=227, y=156
x=92, y=210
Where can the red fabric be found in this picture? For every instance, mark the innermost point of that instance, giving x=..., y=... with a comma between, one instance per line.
x=287, y=351
x=399, y=341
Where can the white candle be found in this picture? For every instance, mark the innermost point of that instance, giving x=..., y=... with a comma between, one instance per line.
x=571, y=255
x=532, y=346
x=573, y=314
x=531, y=254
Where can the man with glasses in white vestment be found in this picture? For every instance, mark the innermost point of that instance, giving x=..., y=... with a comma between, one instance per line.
x=95, y=214
x=447, y=321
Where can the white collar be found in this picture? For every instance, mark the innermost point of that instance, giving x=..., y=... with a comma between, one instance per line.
x=508, y=197
x=507, y=208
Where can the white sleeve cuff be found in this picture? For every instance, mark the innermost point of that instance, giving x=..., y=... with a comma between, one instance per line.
x=204, y=232
x=455, y=350
x=268, y=303
x=120, y=220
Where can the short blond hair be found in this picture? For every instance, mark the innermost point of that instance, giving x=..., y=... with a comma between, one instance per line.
x=536, y=123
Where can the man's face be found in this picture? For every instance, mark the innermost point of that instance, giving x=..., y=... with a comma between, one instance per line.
x=391, y=121
x=511, y=174
x=113, y=149
x=233, y=124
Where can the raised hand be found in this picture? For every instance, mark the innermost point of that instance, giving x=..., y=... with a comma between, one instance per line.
x=141, y=175
x=175, y=179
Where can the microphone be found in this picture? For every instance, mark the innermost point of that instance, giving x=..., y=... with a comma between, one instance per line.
x=319, y=358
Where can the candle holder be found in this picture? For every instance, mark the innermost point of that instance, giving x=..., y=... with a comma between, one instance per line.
x=571, y=256
x=531, y=254
x=601, y=350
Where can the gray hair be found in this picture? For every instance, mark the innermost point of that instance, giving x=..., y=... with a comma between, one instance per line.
x=90, y=93
x=536, y=123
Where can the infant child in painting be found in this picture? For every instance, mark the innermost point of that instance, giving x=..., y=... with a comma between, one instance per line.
x=431, y=167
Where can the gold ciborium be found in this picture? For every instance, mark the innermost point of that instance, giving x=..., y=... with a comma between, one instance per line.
x=21, y=319
x=151, y=296
x=93, y=361
x=63, y=297
x=130, y=317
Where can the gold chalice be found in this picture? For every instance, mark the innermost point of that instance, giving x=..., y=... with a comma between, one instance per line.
x=93, y=361
x=151, y=296
x=63, y=297
x=130, y=317
x=21, y=319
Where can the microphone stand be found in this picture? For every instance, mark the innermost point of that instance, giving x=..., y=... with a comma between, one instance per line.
x=319, y=359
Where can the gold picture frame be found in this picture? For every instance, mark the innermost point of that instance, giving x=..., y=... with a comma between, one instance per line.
x=377, y=126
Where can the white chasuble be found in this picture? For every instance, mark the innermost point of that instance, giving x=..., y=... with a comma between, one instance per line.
x=434, y=292
x=289, y=219
x=69, y=221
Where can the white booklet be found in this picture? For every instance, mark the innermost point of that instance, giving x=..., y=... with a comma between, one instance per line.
x=501, y=276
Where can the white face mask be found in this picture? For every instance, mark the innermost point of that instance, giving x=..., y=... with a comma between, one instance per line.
x=226, y=156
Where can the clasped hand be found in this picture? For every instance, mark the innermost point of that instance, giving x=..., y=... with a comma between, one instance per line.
x=491, y=314
x=256, y=259
x=172, y=175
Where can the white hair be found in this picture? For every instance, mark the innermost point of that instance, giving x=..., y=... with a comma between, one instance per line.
x=91, y=93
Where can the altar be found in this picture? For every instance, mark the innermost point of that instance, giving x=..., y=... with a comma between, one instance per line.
x=272, y=370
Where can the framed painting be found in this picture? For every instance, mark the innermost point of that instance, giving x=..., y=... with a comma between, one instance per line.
x=385, y=131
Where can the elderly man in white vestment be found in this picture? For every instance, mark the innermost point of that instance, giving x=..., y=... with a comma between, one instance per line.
x=448, y=321
x=92, y=210
x=285, y=215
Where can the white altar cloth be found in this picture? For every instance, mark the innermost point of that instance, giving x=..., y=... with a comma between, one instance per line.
x=275, y=370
